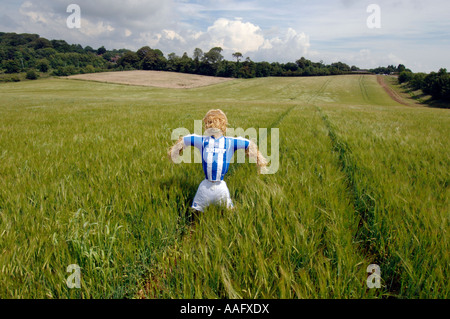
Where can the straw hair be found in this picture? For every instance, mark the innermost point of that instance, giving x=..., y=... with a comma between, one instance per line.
x=216, y=119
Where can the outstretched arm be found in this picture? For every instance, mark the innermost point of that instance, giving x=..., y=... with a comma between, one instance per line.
x=176, y=149
x=253, y=153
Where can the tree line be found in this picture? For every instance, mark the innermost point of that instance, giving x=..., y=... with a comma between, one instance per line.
x=31, y=53
x=389, y=70
x=436, y=84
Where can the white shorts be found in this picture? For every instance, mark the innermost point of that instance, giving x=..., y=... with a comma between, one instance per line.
x=211, y=193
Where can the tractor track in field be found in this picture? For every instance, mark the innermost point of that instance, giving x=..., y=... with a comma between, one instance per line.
x=289, y=110
x=363, y=89
x=363, y=204
x=320, y=91
x=394, y=95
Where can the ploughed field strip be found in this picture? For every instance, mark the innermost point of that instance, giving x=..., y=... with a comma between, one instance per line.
x=85, y=180
x=161, y=79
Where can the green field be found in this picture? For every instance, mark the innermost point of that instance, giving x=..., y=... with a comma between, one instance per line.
x=85, y=179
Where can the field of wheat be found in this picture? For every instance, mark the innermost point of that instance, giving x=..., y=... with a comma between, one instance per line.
x=85, y=180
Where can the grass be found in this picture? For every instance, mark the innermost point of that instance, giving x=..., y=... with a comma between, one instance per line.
x=84, y=179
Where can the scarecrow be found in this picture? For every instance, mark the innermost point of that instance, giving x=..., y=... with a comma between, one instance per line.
x=216, y=150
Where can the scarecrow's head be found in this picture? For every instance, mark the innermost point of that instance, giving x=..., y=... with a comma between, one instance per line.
x=216, y=119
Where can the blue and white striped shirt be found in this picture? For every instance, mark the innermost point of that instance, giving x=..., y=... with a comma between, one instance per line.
x=216, y=153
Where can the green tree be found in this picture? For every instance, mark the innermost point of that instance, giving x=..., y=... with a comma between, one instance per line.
x=237, y=56
x=211, y=61
x=226, y=69
x=290, y=67
x=41, y=43
x=60, y=45
x=12, y=66
x=342, y=67
x=303, y=63
x=417, y=81
x=198, y=54
x=89, y=49
x=31, y=75
x=173, y=62
x=213, y=56
x=46, y=53
x=89, y=69
x=129, y=60
x=142, y=52
x=438, y=84
x=247, y=69
x=186, y=64
x=262, y=69
x=401, y=68
x=404, y=77
x=43, y=65
x=101, y=50
x=76, y=48
x=154, y=60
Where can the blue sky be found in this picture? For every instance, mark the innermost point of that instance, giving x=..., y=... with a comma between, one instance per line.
x=412, y=32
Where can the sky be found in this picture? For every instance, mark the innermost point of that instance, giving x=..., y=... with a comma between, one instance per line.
x=415, y=33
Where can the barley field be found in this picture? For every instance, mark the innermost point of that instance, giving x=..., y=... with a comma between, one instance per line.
x=85, y=180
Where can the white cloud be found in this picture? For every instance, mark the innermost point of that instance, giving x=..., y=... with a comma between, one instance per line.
x=235, y=35
x=172, y=35
x=148, y=38
x=95, y=29
x=288, y=47
x=36, y=17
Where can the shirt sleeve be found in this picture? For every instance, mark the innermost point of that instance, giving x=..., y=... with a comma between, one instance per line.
x=240, y=143
x=193, y=140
